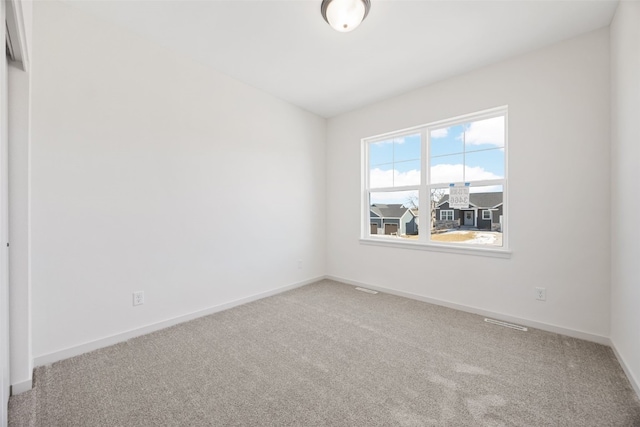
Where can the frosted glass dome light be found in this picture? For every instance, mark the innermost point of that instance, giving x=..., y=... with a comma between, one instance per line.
x=345, y=15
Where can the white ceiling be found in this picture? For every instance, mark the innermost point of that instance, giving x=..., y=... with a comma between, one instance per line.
x=287, y=49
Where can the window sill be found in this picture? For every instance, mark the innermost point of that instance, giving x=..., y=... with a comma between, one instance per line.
x=394, y=243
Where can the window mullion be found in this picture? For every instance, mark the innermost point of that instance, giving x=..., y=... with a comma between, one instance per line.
x=393, y=189
x=464, y=155
x=424, y=210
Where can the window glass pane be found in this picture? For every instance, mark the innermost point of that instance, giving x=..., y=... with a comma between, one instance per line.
x=395, y=162
x=483, y=134
x=407, y=173
x=488, y=164
x=381, y=176
x=446, y=141
x=469, y=226
x=405, y=198
x=394, y=214
x=438, y=207
x=446, y=169
x=407, y=148
x=381, y=152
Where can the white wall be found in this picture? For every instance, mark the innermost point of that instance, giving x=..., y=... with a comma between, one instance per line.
x=5, y=380
x=625, y=168
x=559, y=181
x=152, y=172
x=19, y=275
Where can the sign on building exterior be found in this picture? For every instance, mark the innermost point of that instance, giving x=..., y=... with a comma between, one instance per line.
x=459, y=196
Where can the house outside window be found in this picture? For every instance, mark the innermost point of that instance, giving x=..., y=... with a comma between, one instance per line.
x=410, y=173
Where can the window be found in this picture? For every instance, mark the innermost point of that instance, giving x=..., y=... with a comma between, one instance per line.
x=410, y=175
x=446, y=215
x=394, y=173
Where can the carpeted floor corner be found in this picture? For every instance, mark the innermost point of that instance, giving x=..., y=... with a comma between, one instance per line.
x=328, y=355
x=22, y=409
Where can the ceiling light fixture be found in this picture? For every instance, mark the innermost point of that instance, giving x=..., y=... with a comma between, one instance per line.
x=345, y=15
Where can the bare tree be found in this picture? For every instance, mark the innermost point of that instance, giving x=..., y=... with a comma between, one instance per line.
x=412, y=202
x=435, y=198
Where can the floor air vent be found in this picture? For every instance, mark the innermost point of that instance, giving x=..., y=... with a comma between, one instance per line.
x=369, y=291
x=506, y=325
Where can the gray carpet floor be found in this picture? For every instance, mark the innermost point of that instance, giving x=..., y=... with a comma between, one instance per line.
x=329, y=355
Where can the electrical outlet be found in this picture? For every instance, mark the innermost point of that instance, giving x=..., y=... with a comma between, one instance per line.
x=541, y=294
x=299, y=264
x=138, y=298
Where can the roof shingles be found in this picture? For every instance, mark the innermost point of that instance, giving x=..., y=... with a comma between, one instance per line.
x=388, y=210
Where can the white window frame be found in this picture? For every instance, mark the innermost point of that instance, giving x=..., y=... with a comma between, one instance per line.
x=485, y=211
x=447, y=211
x=424, y=241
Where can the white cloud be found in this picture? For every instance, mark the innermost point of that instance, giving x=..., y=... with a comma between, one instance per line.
x=392, y=178
x=439, y=133
x=446, y=173
x=489, y=131
x=443, y=173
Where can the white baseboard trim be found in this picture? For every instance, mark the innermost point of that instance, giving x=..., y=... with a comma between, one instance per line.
x=632, y=379
x=66, y=353
x=21, y=386
x=469, y=309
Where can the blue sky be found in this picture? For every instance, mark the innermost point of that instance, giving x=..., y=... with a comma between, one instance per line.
x=398, y=150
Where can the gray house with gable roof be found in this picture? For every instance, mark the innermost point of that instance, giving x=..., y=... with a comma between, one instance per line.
x=484, y=212
x=393, y=219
